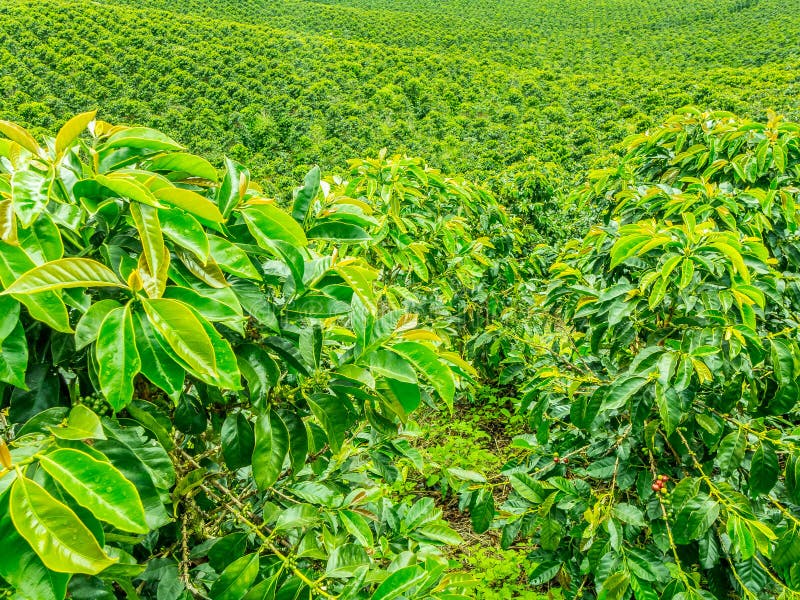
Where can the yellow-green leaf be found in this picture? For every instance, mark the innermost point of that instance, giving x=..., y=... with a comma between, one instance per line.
x=54, y=531
x=97, y=486
x=64, y=273
x=72, y=129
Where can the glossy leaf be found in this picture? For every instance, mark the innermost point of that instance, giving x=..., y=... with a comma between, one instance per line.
x=55, y=532
x=271, y=449
x=64, y=273
x=98, y=487
x=117, y=357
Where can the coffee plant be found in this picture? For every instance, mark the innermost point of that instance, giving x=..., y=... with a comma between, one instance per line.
x=201, y=388
x=661, y=381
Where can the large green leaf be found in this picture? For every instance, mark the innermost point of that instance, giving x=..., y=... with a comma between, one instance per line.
x=362, y=281
x=54, y=531
x=236, y=579
x=89, y=324
x=238, y=441
x=157, y=365
x=22, y=568
x=141, y=137
x=150, y=235
x=81, y=424
x=764, y=469
x=14, y=356
x=21, y=136
x=182, y=330
x=333, y=416
x=118, y=359
x=271, y=449
x=45, y=306
x=399, y=583
x=233, y=188
x=426, y=361
x=268, y=223
x=191, y=202
x=338, y=231
x=184, y=163
x=97, y=486
x=260, y=371
x=64, y=273
x=29, y=194
x=231, y=258
x=70, y=131
x=304, y=196
x=731, y=451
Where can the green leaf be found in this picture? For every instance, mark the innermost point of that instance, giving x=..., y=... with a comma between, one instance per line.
x=615, y=586
x=585, y=408
x=72, y=129
x=56, y=534
x=694, y=519
x=361, y=280
x=399, y=583
x=191, y=202
x=481, y=512
x=150, y=235
x=231, y=258
x=153, y=419
x=21, y=136
x=669, y=408
x=89, y=324
x=345, y=560
x=268, y=223
x=304, y=196
x=628, y=513
x=183, y=332
x=764, y=469
x=271, y=448
x=550, y=534
x=427, y=362
x=390, y=364
x=190, y=415
x=141, y=137
x=233, y=188
x=298, y=439
x=117, y=357
x=238, y=441
x=14, y=356
x=29, y=194
x=338, y=231
x=45, y=306
x=98, y=487
x=259, y=370
x=145, y=464
x=332, y=414
x=42, y=240
x=184, y=163
x=22, y=569
x=236, y=579
x=82, y=424
x=621, y=391
x=157, y=365
x=358, y=527
x=64, y=273
x=126, y=186
x=731, y=451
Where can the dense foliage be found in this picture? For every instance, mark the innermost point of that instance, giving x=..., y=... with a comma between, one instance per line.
x=661, y=383
x=392, y=382
x=204, y=389
x=474, y=88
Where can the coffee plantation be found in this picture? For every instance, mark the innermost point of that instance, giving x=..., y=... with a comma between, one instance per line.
x=556, y=357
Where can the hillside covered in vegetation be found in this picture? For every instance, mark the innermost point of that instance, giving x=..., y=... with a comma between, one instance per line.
x=252, y=348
